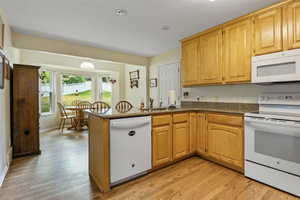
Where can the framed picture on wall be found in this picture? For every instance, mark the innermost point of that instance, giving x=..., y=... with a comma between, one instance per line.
x=2, y=71
x=134, y=75
x=1, y=33
x=153, y=82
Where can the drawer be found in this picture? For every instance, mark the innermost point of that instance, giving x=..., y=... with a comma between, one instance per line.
x=227, y=119
x=180, y=117
x=158, y=120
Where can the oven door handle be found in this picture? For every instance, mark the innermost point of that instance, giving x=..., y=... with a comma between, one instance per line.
x=272, y=121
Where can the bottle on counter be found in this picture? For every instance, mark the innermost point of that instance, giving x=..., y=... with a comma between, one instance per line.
x=142, y=106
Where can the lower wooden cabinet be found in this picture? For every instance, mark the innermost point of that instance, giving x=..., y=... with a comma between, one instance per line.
x=161, y=145
x=193, y=132
x=180, y=140
x=201, y=134
x=225, y=142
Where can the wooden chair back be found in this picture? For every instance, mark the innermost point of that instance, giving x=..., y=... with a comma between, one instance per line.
x=84, y=105
x=124, y=106
x=100, y=106
x=62, y=110
x=75, y=102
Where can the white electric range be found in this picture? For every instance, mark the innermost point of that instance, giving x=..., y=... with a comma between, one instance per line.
x=272, y=142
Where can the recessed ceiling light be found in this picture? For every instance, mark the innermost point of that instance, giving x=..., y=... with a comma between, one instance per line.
x=120, y=12
x=211, y=0
x=165, y=27
x=87, y=65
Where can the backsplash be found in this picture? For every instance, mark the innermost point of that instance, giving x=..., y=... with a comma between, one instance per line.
x=246, y=93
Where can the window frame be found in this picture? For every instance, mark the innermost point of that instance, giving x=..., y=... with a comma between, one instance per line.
x=51, y=93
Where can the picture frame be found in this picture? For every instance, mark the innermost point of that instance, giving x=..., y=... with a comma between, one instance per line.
x=134, y=75
x=134, y=83
x=153, y=83
x=2, y=71
x=2, y=27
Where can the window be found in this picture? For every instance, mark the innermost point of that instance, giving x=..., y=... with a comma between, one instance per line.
x=76, y=87
x=106, y=89
x=46, y=94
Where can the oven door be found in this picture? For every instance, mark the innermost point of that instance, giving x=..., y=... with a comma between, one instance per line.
x=273, y=143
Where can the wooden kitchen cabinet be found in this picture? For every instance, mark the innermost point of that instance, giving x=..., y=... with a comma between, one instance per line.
x=193, y=132
x=268, y=31
x=237, y=52
x=181, y=135
x=201, y=134
x=190, y=62
x=161, y=140
x=225, y=139
x=293, y=23
x=210, y=57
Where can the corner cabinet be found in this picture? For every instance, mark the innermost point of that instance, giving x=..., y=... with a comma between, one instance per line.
x=161, y=140
x=237, y=51
x=201, y=134
x=190, y=62
x=268, y=31
x=293, y=22
x=210, y=58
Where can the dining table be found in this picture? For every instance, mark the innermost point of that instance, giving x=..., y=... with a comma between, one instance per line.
x=79, y=111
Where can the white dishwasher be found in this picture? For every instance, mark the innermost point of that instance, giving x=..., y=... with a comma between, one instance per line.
x=130, y=148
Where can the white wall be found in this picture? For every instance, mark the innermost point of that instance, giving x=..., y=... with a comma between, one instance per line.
x=244, y=93
x=5, y=143
x=136, y=95
x=71, y=64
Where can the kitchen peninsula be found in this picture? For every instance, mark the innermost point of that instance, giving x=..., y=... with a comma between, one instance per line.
x=213, y=131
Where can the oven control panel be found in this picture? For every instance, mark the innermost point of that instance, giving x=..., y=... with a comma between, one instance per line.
x=280, y=99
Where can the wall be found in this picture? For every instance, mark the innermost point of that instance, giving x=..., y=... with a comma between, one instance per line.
x=30, y=42
x=71, y=64
x=245, y=93
x=5, y=143
x=136, y=95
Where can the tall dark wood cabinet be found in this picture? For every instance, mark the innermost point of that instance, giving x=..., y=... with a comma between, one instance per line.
x=25, y=124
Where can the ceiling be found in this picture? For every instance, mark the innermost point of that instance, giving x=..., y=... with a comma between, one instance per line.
x=94, y=22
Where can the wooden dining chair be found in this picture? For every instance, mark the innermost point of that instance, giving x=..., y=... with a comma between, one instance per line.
x=64, y=116
x=100, y=106
x=82, y=117
x=75, y=102
x=124, y=106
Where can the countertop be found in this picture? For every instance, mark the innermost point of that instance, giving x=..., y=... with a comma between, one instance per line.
x=114, y=114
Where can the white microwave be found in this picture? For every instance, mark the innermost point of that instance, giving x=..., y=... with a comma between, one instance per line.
x=276, y=67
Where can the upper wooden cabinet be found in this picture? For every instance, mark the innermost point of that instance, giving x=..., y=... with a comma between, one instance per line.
x=237, y=51
x=190, y=62
x=268, y=31
x=293, y=24
x=210, y=57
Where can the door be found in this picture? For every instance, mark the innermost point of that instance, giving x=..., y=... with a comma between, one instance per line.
x=201, y=134
x=162, y=145
x=190, y=62
x=169, y=80
x=180, y=140
x=237, y=52
x=273, y=143
x=210, y=58
x=225, y=143
x=293, y=17
x=268, y=32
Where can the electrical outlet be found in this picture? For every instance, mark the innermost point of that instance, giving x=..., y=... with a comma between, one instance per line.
x=186, y=94
x=198, y=98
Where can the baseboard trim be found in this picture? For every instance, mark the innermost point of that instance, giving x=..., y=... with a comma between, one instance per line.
x=3, y=175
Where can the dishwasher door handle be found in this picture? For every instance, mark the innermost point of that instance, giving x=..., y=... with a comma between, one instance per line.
x=132, y=124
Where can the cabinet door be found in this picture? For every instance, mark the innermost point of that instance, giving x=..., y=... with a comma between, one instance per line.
x=190, y=63
x=225, y=143
x=161, y=144
x=180, y=140
x=237, y=52
x=201, y=134
x=210, y=58
x=193, y=132
x=293, y=17
x=268, y=32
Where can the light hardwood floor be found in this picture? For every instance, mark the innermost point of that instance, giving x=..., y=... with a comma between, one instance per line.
x=61, y=172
